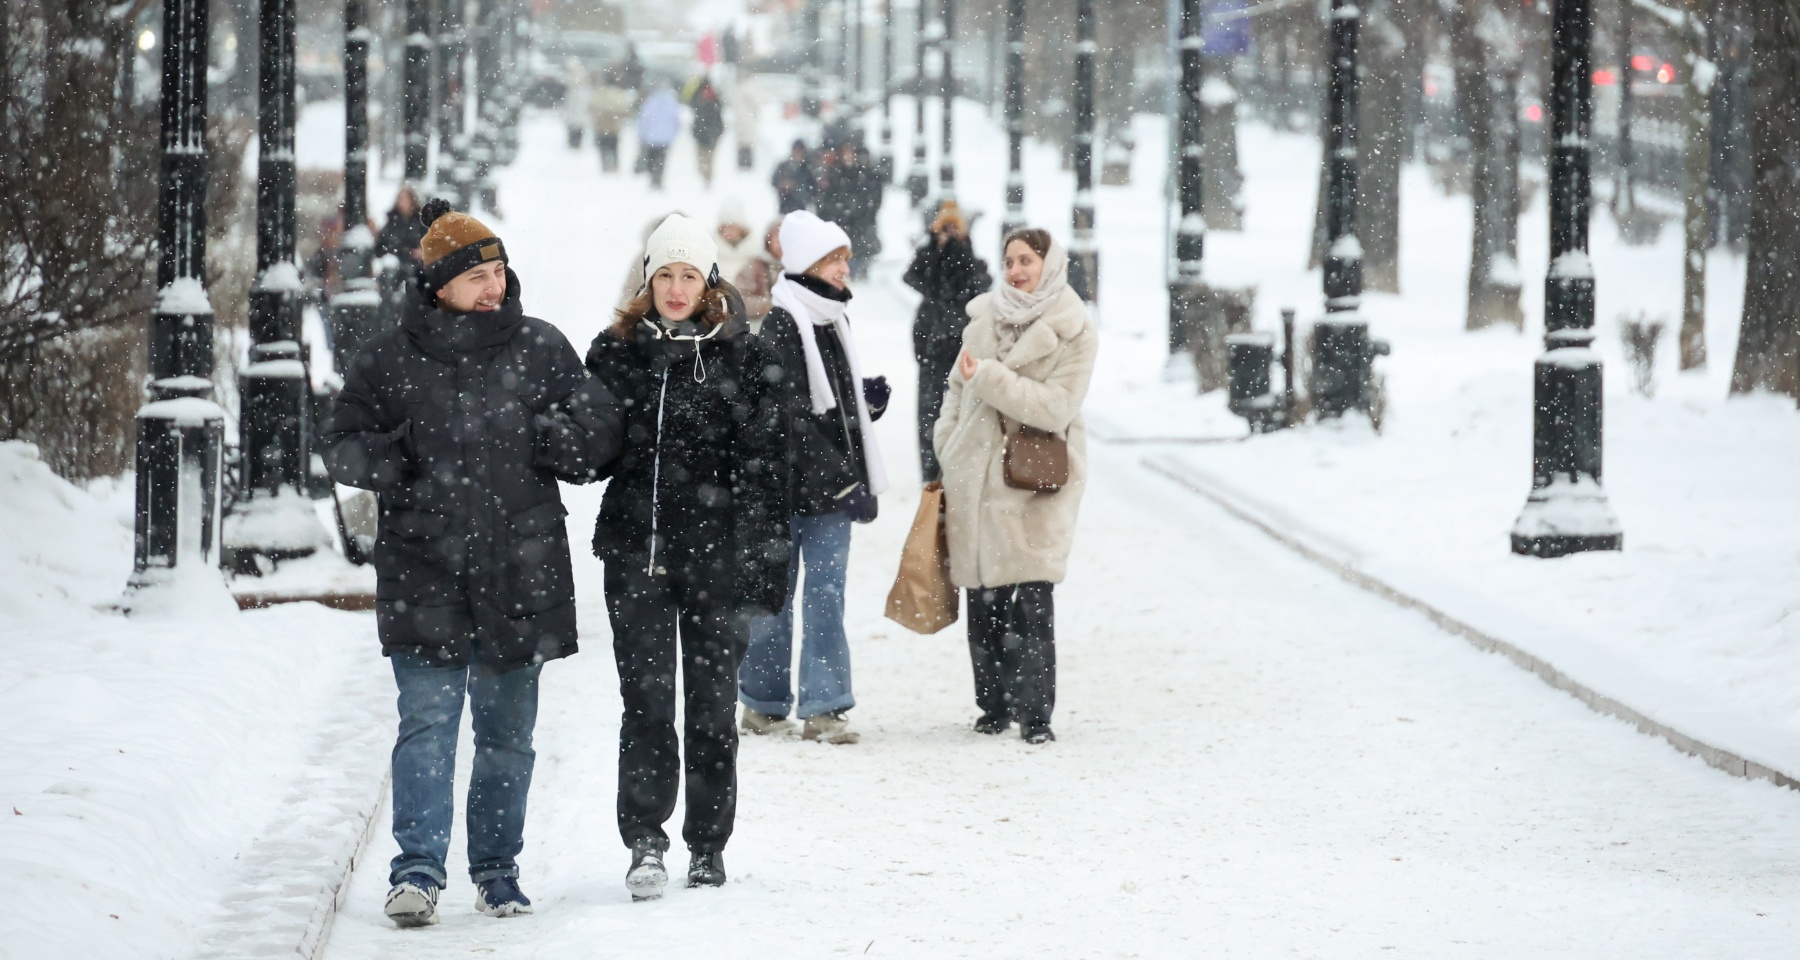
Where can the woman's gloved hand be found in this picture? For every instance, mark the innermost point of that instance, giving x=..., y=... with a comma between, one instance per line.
x=876, y=393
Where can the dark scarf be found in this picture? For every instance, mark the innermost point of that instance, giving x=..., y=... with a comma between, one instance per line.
x=447, y=336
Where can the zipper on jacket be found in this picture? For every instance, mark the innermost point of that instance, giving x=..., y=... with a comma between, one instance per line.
x=656, y=471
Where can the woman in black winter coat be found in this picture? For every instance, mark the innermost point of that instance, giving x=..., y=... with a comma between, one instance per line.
x=948, y=274
x=693, y=532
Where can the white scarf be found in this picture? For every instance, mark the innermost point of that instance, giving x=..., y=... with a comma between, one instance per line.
x=809, y=310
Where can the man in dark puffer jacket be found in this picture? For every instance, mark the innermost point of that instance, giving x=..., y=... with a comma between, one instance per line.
x=463, y=420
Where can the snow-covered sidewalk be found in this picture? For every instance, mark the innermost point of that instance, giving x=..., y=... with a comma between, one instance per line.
x=167, y=785
x=1255, y=759
x=1691, y=625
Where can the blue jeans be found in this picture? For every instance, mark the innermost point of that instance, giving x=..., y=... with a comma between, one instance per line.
x=504, y=710
x=764, y=681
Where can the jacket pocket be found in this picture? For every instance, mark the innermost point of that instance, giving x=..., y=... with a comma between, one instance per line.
x=535, y=572
x=416, y=559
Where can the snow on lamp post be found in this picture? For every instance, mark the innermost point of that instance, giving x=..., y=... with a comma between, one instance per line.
x=946, y=158
x=1187, y=290
x=180, y=431
x=274, y=518
x=1567, y=510
x=1015, y=118
x=356, y=310
x=1084, y=255
x=918, y=178
x=417, y=83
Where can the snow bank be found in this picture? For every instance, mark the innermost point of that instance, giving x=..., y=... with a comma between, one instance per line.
x=143, y=756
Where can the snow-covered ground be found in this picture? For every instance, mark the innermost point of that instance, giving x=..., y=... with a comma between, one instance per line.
x=144, y=759
x=1691, y=624
x=1255, y=759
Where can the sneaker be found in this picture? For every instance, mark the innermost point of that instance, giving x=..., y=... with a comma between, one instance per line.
x=706, y=869
x=761, y=724
x=831, y=728
x=992, y=723
x=501, y=897
x=1039, y=733
x=647, y=876
x=413, y=901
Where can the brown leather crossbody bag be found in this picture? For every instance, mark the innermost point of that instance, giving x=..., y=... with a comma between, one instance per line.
x=1036, y=460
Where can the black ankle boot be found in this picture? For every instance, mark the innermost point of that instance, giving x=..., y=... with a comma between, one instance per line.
x=706, y=869
x=992, y=723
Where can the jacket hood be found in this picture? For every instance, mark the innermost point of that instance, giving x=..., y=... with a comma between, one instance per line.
x=426, y=324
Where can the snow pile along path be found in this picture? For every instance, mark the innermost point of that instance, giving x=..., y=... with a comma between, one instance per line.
x=145, y=760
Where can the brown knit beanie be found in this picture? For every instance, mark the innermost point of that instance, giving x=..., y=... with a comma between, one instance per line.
x=454, y=243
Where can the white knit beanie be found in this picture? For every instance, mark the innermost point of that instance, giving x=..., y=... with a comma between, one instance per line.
x=806, y=239
x=681, y=240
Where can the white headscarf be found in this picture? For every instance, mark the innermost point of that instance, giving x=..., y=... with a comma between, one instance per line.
x=1016, y=309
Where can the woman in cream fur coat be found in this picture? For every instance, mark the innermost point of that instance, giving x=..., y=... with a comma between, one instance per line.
x=1028, y=354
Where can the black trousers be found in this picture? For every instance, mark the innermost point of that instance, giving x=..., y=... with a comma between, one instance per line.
x=609, y=151
x=934, y=379
x=1012, y=644
x=651, y=615
x=655, y=159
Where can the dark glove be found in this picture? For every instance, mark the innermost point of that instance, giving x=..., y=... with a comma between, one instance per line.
x=876, y=393
x=404, y=444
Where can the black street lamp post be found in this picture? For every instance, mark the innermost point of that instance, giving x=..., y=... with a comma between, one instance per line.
x=484, y=143
x=274, y=390
x=811, y=98
x=946, y=46
x=1015, y=118
x=1084, y=254
x=417, y=108
x=887, y=91
x=180, y=431
x=1342, y=352
x=1187, y=291
x=918, y=178
x=1567, y=510
x=356, y=310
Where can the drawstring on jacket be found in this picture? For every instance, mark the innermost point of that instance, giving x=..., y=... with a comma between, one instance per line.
x=700, y=374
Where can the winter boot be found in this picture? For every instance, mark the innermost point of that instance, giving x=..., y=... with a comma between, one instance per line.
x=706, y=869
x=501, y=897
x=760, y=723
x=831, y=728
x=647, y=876
x=992, y=723
x=1037, y=733
x=413, y=901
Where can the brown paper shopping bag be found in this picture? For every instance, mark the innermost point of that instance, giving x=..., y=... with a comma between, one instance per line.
x=923, y=600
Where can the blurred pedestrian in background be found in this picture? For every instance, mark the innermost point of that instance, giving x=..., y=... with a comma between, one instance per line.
x=575, y=101
x=744, y=111
x=947, y=274
x=400, y=235
x=796, y=182
x=1027, y=359
x=756, y=281
x=659, y=123
x=708, y=125
x=609, y=106
x=737, y=245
